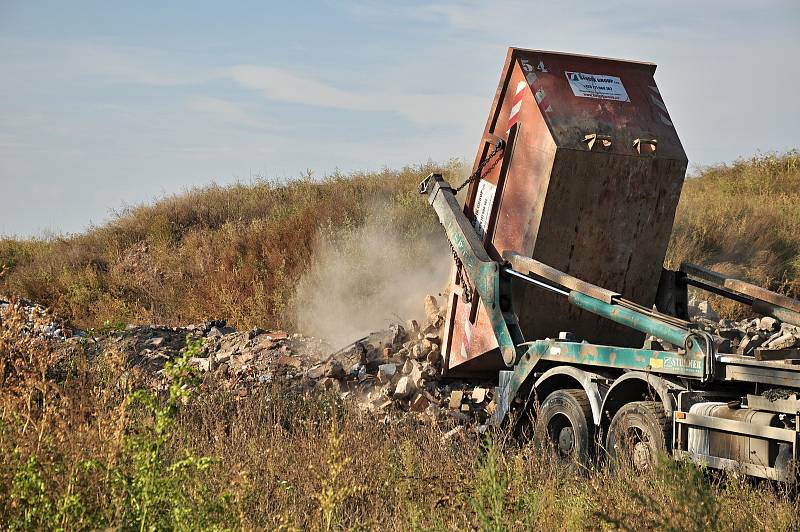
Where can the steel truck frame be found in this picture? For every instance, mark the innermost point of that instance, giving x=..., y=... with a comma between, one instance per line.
x=690, y=401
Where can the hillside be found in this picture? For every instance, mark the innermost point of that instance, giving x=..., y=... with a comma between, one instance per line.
x=235, y=251
x=239, y=251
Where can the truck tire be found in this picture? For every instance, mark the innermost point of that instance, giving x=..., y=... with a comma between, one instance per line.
x=638, y=433
x=565, y=424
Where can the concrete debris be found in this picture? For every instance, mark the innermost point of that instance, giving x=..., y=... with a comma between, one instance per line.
x=404, y=389
x=203, y=364
x=381, y=403
x=767, y=336
x=455, y=399
x=39, y=320
x=288, y=360
x=386, y=372
x=450, y=434
x=479, y=394
x=431, y=307
x=784, y=341
x=701, y=309
x=393, y=374
x=420, y=403
x=768, y=323
x=334, y=370
x=749, y=343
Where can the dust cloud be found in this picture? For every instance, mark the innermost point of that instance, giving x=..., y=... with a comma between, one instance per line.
x=365, y=278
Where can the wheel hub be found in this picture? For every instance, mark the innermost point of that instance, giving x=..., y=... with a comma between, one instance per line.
x=566, y=441
x=641, y=456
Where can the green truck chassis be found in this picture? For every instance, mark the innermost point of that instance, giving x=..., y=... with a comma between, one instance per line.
x=714, y=403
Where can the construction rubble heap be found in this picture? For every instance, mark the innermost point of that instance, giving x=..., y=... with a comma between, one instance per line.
x=39, y=321
x=764, y=338
x=391, y=374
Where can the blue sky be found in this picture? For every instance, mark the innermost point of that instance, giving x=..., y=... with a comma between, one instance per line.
x=108, y=104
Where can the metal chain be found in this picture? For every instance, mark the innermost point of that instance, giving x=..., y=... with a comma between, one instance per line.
x=461, y=277
x=478, y=173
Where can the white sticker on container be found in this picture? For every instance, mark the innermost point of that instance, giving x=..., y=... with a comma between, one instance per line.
x=597, y=86
x=483, y=206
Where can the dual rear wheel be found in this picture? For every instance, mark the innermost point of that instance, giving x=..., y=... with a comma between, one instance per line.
x=638, y=432
x=565, y=424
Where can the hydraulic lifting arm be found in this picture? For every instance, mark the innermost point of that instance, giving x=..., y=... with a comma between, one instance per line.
x=490, y=280
x=482, y=272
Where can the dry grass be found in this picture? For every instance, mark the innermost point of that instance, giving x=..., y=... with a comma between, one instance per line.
x=744, y=220
x=233, y=252
x=80, y=454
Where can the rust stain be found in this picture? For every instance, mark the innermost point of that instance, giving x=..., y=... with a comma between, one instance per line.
x=588, y=351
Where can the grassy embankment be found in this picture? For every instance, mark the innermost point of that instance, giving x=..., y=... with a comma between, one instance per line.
x=233, y=252
x=744, y=220
x=81, y=451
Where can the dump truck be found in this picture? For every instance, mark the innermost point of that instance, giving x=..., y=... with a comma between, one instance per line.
x=559, y=292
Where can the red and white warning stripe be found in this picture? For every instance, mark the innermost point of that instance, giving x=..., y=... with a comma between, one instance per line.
x=656, y=99
x=513, y=117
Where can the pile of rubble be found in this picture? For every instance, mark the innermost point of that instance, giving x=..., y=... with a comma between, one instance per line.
x=239, y=357
x=764, y=338
x=393, y=375
x=390, y=373
x=39, y=321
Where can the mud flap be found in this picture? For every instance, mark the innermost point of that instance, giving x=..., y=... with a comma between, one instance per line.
x=503, y=394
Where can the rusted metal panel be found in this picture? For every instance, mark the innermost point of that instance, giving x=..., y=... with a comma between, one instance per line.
x=481, y=271
x=590, y=180
x=607, y=221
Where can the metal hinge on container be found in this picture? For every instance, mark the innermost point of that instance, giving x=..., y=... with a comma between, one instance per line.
x=645, y=146
x=595, y=139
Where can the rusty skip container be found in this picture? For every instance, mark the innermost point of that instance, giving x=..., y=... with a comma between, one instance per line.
x=588, y=183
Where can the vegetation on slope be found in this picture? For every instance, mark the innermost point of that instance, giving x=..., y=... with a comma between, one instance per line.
x=234, y=252
x=237, y=251
x=744, y=219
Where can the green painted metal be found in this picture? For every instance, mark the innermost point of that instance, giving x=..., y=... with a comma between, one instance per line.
x=692, y=364
x=632, y=319
x=482, y=272
x=484, y=275
x=689, y=364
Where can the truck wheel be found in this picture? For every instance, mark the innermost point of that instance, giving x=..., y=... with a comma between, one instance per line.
x=565, y=423
x=638, y=433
